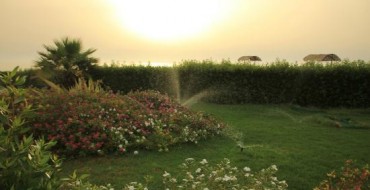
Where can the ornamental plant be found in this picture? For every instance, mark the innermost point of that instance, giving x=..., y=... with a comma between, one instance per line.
x=349, y=177
x=202, y=175
x=88, y=120
x=199, y=175
x=25, y=163
x=65, y=62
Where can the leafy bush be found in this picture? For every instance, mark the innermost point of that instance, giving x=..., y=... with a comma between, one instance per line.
x=85, y=121
x=204, y=176
x=24, y=161
x=138, y=78
x=350, y=177
x=311, y=84
x=201, y=175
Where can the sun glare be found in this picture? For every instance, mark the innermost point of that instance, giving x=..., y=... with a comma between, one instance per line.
x=168, y=20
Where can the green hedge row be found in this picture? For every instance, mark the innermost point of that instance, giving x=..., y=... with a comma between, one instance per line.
x=134, y=78
x=332, y=85
x=343, y=84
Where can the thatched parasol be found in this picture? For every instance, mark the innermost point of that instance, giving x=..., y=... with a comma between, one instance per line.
x=249, y=58
x=321, y=57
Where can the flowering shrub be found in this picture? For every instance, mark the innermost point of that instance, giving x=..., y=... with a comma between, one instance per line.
x=95, y=122
x=201, y=175
x=350, y=177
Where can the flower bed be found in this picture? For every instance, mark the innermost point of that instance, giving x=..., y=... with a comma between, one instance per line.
x=84, y=122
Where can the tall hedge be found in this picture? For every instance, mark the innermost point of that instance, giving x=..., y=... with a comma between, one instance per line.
x=339, y=84
x=134, y=78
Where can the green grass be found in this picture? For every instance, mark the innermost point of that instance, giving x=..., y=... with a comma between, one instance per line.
x=305, y=144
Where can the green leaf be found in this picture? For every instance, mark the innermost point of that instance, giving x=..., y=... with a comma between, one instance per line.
x=19, y=99
x=14, y=71
x=3, y=119
x=20, y=80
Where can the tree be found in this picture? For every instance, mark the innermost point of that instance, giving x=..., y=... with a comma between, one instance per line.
x=66, y=62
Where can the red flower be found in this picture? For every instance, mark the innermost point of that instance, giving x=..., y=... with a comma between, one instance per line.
x=122, y=150
x=99, y=145
x=96, y=135
x=71, y=137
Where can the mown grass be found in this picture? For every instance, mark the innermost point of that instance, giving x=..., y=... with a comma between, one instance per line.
x=305, y=144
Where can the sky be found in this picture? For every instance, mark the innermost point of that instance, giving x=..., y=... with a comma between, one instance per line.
x=169, y=31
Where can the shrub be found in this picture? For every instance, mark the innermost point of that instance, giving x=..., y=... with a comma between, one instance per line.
x=201, y=175
x=312, y=84
x=24, y=161
x=350, y=177
x=342, y=84
x=84, y=121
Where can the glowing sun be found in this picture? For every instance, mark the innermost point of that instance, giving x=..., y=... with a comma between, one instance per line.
x=167, y=20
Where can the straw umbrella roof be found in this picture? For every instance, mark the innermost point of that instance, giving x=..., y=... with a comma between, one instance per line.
x=321, y=57
x=249, y=58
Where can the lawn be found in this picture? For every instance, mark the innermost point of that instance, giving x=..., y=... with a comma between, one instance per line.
x=305, y=144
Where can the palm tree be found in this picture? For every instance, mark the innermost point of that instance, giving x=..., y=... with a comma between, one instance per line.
x=65, y=62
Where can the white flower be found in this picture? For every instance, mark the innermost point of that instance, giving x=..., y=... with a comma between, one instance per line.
x=226, y=178
x=204, y=161
x=274, y=167
x=189, y=159
x=120, y=146
x=229, y=178
x=189, y=175
x=246, y=169
x=166, y=174
x=201, y=176
x=136, y=152
x=274, y=178
x=283, y=182
x=131, y=187
x=206, y=188
x=198, y=170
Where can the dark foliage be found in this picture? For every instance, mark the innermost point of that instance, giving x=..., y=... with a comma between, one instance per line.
x=344, y=84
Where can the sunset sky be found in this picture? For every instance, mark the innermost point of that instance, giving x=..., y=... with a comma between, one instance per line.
x=168, y=31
